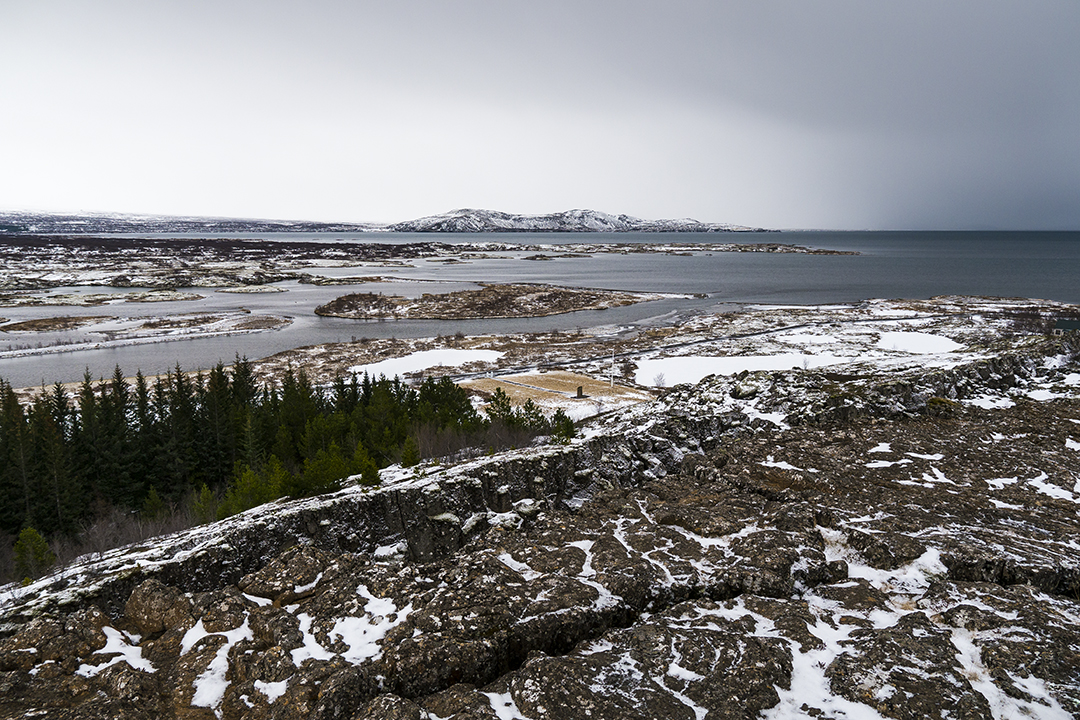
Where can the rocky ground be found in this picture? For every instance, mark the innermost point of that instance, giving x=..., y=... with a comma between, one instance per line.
x=768, y=544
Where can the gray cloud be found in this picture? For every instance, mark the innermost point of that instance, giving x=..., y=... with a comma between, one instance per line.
x=832, y=113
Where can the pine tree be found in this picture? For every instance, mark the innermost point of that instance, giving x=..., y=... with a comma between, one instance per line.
x=16, y=484
x=59, y=502
x=179, y=459
x=410, y=453
x=217, y=436
x=323, y=473
x=499, y=408
x=204, y=505
x=32, y=555
x=118, y=453
x=365, y=467
x=153, y=507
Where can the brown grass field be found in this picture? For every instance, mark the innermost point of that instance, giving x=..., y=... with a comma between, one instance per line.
x=556, y=384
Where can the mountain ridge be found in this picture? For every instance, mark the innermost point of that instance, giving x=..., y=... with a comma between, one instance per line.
x=473, y=220
x=464, y=220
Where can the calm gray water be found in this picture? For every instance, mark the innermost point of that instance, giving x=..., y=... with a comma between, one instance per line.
x=891, y=265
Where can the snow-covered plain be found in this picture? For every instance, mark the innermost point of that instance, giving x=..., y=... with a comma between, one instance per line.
x=425, y=360
x=658, y=372
x=917, y=343
x=855, y=341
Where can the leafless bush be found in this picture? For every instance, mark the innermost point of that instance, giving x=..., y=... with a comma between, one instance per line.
x=114, y=527
x=447, y=443
x=7, y=557
x=1033, y=321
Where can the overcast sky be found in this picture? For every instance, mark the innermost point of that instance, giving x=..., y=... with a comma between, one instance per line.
x=826, y=114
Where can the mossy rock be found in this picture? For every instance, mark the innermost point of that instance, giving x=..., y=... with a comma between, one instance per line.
x=941, y=406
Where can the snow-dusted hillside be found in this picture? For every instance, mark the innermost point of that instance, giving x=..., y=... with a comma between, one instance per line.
x=474, y=221
x=107, y=223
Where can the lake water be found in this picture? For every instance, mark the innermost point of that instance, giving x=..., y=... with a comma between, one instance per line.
x=890, y=265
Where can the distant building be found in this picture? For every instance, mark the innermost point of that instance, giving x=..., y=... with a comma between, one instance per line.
x=1066, y=326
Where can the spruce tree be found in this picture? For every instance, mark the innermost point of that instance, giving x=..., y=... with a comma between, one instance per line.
x=410, y=453
x=32, y=555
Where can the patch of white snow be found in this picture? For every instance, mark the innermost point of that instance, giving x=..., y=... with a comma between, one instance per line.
x=917, y=343
x=126, y=650
x=1040, y=484
x=272, y=690
x=692, y=368
x=415, y=362
x=504, y=706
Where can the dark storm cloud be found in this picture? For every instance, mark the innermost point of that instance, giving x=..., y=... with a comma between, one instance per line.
x=842, y=114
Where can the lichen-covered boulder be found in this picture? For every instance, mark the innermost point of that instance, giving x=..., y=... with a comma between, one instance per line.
x=155, y=607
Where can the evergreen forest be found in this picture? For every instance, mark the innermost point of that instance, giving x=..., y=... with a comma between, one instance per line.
x=220, y=442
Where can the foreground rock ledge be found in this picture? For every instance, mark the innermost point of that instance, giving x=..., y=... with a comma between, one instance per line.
x=915, y=563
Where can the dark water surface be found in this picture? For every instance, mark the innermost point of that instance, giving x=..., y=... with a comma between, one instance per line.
x=890, y=265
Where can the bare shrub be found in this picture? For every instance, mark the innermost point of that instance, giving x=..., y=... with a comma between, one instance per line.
x=1032, y=321
x=115, y=527
x=459, y=446
x=7, y=557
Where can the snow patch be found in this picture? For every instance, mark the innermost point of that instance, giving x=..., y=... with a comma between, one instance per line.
x=990, y=402
x=504, y=706
x=519, y=567
x=210, y=686
x=783, y=465
x=301, y=589
x=418, y=361
x=692, y=368
x=126, y=648
x=272, y=690
x=917, y=343
x=887, y=463
x=999, y=483
x=1040, y=484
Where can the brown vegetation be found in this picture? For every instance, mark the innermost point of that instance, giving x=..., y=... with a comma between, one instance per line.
x=53, y=324
x=490, y=301
x=188, y=321
x=544, y=386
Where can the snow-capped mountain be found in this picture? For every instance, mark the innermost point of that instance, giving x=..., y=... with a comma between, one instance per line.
x=477, y=221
